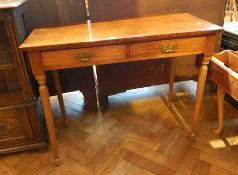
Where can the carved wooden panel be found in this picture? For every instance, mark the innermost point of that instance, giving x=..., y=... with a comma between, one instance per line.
x=11, y=79
x=8, y=72
x=6, y=56
x=14, y=127
x=20, y=127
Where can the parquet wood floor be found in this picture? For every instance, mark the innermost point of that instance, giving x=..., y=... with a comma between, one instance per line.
x=139, y=135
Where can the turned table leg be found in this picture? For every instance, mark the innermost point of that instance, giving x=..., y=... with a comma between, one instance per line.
x=171, y=80
x=59, y=95
x=44, y=93
x=200, y=88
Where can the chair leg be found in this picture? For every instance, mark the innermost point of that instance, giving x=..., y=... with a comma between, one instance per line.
x=171, y=80
x=235, y=9
x=220, y=104
x=59, y=95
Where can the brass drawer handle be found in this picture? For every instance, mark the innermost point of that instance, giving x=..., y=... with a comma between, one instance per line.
x=85, y=56
x=168, y=48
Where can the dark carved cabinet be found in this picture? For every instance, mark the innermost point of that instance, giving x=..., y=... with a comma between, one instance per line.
x=153, y=72
x=20, y=119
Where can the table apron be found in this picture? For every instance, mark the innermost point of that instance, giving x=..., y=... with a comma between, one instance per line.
x=101, y=55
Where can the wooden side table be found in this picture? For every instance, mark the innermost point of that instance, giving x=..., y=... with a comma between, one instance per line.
x=111, y=42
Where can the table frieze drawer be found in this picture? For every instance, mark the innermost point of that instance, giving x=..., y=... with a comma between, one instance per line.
x=83, y=56
x=166, y=48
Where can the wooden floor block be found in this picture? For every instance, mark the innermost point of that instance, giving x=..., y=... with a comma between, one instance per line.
x=138, y=135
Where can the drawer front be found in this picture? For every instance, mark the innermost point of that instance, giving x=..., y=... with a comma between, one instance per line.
x=167, y=48
x=83, y=57
x=15, y=127
x=224, y=77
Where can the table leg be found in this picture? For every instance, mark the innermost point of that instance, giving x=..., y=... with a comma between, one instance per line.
x=220, y=104
x=200, y=88
x=44, y=93
x=171, y=80
x=59, y=95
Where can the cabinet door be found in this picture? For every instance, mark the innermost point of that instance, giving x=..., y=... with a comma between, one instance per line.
x=10, y=87
x=15, y=127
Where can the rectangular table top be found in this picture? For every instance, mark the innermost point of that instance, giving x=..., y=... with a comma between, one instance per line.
x=167, y=26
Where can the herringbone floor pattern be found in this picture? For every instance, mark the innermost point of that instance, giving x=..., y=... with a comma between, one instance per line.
x=139, y=135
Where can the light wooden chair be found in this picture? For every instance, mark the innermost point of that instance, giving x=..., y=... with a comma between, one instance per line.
x=223, y=71
x=231, y=9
